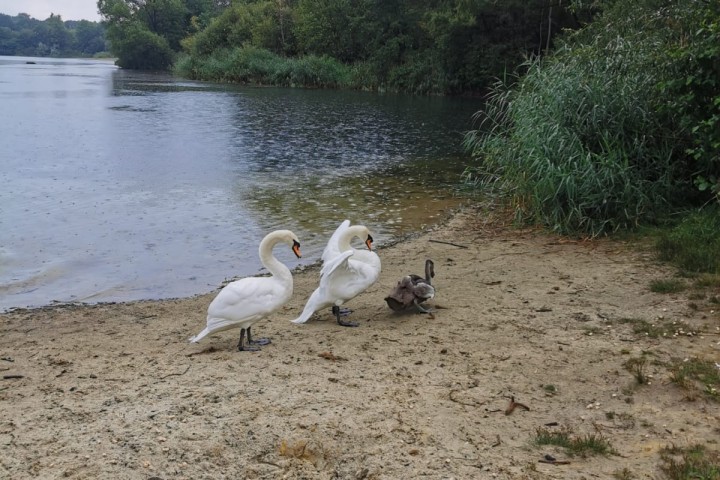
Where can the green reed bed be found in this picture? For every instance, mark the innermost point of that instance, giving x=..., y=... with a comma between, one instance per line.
x=584, y=142
x=259, y=66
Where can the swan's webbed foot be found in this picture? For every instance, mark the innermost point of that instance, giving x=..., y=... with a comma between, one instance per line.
x=259, y=341
x=337, y=311
x=242, y=347
x=420, y=308
x=342, y=311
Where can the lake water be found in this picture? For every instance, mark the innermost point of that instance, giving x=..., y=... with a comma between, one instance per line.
x=120, y=185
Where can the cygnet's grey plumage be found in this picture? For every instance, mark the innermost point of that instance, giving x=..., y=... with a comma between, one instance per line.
x=413, y=290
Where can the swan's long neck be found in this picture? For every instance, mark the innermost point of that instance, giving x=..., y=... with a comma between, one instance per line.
x=274, y=266
x=429, y=273
x=347, y=236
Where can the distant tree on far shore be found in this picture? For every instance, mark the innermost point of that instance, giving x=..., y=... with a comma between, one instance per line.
x=52, y=37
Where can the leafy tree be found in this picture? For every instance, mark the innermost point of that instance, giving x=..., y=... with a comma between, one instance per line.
x=166, y=18
x=54, y=35
x=89, y=37
x=694, y=94
x=265, y=24
x=138, y=48
x=331, y=27
x=163, y=23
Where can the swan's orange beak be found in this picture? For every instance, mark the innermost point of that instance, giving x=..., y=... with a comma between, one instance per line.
x=296, y=249
x=369, y=242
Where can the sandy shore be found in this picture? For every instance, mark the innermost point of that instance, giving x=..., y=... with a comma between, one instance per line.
x=116, y=391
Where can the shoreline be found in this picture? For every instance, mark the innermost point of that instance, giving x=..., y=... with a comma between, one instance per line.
x=114, y=390
x=446, y=217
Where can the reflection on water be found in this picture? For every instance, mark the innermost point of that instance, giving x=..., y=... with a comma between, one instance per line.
x=123, y=185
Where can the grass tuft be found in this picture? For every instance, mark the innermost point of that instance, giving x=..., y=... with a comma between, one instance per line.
x=697, y=375
x=694, y=245
x=575, y=445
x=636, y=366
x=692, y=463
x=667, y=285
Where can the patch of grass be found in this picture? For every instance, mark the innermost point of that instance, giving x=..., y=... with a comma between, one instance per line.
x=692, y=463
x=624, y=474
x=667, y=285
x=636, y=366
x=707, y=280
x=651, y=330
x=551, y=389
x=661, y=328
x=575, y=445
x=592, y=330
x=694, y=244
x=697, y=375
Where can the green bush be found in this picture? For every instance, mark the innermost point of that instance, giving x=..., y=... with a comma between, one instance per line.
x=138, y=48
x=585, y=142
x=256, y=65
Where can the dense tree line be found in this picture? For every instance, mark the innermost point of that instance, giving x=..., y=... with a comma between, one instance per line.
x=427, y=46
x=24, y=35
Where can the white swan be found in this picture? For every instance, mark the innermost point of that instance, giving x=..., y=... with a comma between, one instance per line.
x=346, y=272
x=412, y=290
x=243, y=302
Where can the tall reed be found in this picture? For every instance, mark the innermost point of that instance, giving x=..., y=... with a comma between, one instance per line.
x=580, y=143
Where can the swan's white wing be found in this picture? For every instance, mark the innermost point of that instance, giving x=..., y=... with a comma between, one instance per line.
x=332, y=250
x=250, y=296
x=244, y=302
x=347, y=279
x=334, y=263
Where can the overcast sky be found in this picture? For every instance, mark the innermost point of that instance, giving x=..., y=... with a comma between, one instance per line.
x=41, y=9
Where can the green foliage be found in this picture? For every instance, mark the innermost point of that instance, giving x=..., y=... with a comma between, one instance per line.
x=259, y=66
x=692, y=463
x=696, y=94
x=583, y=142
x=697, y=374
x=263, y=24
x=147, y=34
x=667, y=285
x=575, y=445
x=693, y=245
x=138, y=48
x=24, y=35
x=422, y=46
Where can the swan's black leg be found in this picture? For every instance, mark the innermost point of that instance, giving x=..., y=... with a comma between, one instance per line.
x=259, y=341
x=246, y=348
x=336, y=312
x=420, y=308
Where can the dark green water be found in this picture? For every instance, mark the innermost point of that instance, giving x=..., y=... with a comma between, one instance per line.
x=122, y=185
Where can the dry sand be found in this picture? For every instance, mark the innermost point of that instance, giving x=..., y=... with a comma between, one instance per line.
x=115, y=390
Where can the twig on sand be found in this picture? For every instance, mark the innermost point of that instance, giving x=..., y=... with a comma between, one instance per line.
x=554, y=462
x=331, y=356
x=175, y=374
x=11, y=377
x=513, y=405
x=447, y=243
x=473, y=404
